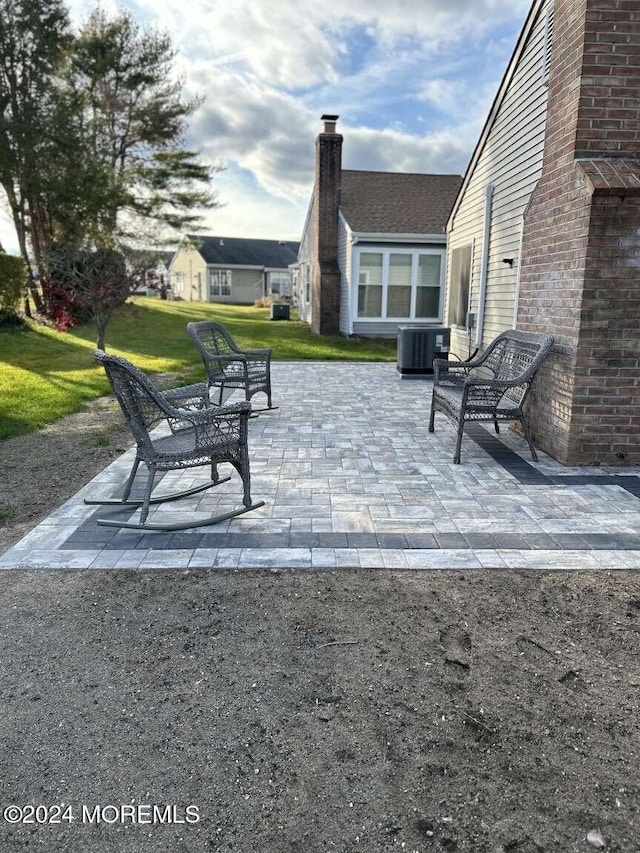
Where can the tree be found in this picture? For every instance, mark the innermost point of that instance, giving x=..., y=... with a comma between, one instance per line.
x=134, y=122
x=87, y=285
x=91, y=134
x=34, y=37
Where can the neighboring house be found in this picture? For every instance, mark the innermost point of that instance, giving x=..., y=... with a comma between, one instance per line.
x=372, y=253
x=232, y=269
x=154, y=267
x=545, y=232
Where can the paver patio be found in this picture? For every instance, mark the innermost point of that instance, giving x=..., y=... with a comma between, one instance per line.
x=351, y=477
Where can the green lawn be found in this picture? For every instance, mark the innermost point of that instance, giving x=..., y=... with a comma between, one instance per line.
x=45, y=374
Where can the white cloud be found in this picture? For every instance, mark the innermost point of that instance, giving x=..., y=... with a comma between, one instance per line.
x=250, y=212
x=301, y=43
x=397, y=73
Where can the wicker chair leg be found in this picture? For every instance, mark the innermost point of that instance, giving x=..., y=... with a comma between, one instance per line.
x=130, y=479
x=495, y=424
x=144, y=510
x=432, y=417
x=527, y=435
x=456, y=455
x=245, y=475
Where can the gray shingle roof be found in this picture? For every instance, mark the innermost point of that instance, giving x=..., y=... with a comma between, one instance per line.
x=245, y=252
x=397, y=203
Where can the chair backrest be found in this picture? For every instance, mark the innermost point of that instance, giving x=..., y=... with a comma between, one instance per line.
x=140, y=402
x=212, y=338
x=516, y=355
x=213, y=342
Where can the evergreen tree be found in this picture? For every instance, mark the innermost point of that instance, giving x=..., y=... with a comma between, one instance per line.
x=34, y=37
x=134, y=124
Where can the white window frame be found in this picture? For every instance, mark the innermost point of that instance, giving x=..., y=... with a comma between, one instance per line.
x=472, y=245
x=386, y=252
x=218, y=282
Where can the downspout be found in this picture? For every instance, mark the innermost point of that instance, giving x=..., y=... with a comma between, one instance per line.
x=353, y=284
x=516, y=296
x=484, y=264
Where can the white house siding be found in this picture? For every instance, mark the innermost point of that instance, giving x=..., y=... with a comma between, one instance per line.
x=345, y=255
x=247, y=285
x=510, y=160
x=305, y=259
x=189, y=274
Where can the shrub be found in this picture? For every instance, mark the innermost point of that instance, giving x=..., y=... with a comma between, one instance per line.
x=13, y=278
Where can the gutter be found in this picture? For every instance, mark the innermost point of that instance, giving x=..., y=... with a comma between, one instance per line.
x=381, y=237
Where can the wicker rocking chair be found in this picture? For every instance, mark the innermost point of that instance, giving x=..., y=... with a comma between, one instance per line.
x=492, y=387
x=228, y=366
x=202, y=434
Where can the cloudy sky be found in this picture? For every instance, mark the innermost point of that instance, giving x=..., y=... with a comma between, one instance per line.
x=412, y=82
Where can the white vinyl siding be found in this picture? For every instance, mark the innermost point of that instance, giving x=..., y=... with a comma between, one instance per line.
x=344, y=262
x=511, y=160
x=305, y=264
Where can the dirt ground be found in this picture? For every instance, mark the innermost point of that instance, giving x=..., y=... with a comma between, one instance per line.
x=306, y=711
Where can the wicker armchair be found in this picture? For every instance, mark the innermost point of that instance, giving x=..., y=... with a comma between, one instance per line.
x=202, y=434
x=228, y=366
x=492, y=387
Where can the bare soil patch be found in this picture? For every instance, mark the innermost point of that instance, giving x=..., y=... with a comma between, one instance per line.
x=40, y=471
x=311, y=711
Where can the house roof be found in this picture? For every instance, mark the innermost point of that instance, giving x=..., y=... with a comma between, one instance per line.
x=245, y=252
x=397, y=203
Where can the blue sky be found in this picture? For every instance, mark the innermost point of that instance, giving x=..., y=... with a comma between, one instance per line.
x=412, y=82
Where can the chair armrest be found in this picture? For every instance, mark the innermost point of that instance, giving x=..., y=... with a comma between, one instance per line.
x=486, y=392
x=257, y=353
x=446, y=372
x=496, y=383
x=188, y=396
x=191, y=417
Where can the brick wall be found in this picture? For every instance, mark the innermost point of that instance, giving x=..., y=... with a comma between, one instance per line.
x=325, y=288
x=581, y=249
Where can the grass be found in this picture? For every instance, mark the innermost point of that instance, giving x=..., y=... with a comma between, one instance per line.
x=45, y=374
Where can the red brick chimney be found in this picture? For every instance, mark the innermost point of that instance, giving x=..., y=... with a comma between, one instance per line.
x=580, y=270
x=325, y=293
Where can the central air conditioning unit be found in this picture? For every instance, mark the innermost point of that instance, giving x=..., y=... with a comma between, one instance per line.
x=280, y=311
x=418, y=346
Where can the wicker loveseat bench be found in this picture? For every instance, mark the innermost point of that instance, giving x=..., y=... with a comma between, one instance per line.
x=492, y=387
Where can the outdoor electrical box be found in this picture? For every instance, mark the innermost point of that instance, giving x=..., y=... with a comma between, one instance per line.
x=418, y=346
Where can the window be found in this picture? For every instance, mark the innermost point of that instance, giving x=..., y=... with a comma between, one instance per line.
x=279, y=282
x=460, y=281
x=428, y=286
x=400, y=285
x=399, y=293
x=370, y=284
x=219, y=283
